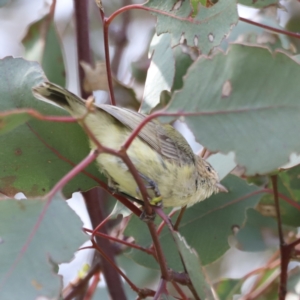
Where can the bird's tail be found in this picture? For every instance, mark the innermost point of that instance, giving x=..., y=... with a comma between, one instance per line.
x=51, y=92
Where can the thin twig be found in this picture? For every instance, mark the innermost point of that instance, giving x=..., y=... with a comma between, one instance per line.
x=160, y=289
x=94, y=200
x=107, y=57
x=181, y=213
x=180, y=291
x=106, y=236
x=93, y=287
x=159, y=252
x=285, y=257
x=282, y=31
x=130, y=283
x=76, y=288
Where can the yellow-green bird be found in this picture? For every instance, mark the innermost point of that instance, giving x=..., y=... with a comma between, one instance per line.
x=161, y=155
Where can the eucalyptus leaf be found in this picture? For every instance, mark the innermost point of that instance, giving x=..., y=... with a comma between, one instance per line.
x=259, y=233
x=27, y=263
x=161, y=71
x=43, y=45
x=37, y=154
x=194, y=268
x=205, y=30
x=250, y=107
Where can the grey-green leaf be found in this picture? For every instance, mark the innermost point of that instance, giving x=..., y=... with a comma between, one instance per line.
x=243, y=101
x=205, y=31
x=29, y=270
x=37, y=154
x=161, y=72
x=194, y=268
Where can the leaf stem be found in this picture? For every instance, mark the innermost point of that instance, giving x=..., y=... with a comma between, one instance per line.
x=131, y=245
x=107, y=57
x=284, y=253
x=282, y=31
x=94, y=200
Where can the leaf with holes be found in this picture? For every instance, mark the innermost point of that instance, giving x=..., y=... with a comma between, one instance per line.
x=205, y=31
x=243, y=102
x=161, y=71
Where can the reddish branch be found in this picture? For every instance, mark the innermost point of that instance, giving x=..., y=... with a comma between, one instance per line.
x=106, y=236
x=94, y=202
x=282, y=31
x=107, y=57
x=82, y=38
x=77, y=288
x=285, y=252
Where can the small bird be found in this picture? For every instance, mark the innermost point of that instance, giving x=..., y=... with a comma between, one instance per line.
x=170, y=170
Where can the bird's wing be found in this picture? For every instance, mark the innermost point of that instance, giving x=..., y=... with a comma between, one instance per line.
x=155, y=134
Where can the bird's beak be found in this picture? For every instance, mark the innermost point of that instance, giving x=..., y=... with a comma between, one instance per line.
x=221, y=188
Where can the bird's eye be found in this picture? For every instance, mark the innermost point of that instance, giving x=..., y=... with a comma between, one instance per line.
x=208, y=168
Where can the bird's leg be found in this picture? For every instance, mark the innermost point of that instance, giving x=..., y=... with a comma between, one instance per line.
x=144, y=216
x=157, y=200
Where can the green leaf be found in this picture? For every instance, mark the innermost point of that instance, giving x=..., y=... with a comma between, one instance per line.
x=288, y=185
x=194, y=268
x=205, y=31
x=253, y=35
x=258, y=3
x=250, y=90
x=9, y=121
x=195, y=4
x=37, y=154
x=258, y=234
x=227, y=288
x=206, y=226
x=160, y=73
x=166, y=64
x=29, y=271
x=182, y=62
x=42, y=44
